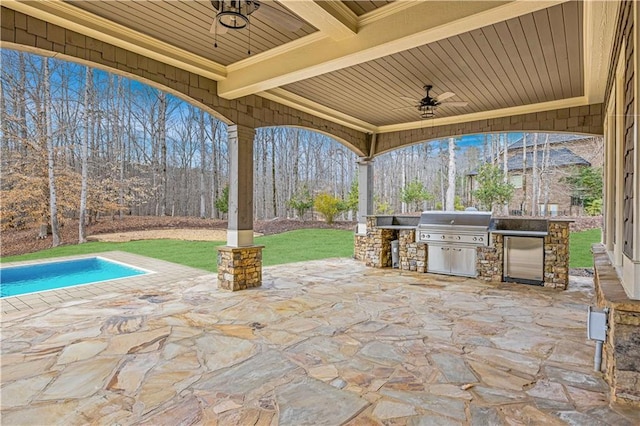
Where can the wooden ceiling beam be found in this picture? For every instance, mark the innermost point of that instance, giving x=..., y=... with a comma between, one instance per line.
x=419, y=24
x=332, y=18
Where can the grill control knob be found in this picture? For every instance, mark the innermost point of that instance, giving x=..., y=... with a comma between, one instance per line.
x=442, y=238
x=428, y=236
x=480, y=238
x=458, y=236
x=475, y=238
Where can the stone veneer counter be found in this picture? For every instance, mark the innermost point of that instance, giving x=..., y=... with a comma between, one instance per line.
x=374, y=247
x=621, y=351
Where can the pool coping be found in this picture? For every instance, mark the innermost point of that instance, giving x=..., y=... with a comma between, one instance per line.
x=163, y=272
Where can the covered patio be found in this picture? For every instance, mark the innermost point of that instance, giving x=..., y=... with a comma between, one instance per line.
x=554, y=66
x=320, y=343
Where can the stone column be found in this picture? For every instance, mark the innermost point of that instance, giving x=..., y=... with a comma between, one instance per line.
x=365, y=193
x=240, y=262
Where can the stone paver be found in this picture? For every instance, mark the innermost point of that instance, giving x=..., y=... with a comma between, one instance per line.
x=326, y=342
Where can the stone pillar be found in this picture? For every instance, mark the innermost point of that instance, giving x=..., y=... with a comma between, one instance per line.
x=413, y=256
x=556, y=255
x=239, y=268
x=365, y=193
x=489, y=260
x=240, y=262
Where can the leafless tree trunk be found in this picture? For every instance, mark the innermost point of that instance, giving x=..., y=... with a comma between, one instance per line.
x=82, y=222
x=545, y=174
x=535, y=183
x=505, y=169
x=273, y=176
x=203, y=164
x=48, y=135
x=213, y=125
x=451, y=183
x=162, y=140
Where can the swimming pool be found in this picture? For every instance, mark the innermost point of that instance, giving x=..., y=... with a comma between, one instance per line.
x=17, y=280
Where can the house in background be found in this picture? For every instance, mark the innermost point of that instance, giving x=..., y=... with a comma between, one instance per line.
x=553, y=195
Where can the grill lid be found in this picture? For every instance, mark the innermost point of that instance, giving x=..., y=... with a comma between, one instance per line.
x=467, y=219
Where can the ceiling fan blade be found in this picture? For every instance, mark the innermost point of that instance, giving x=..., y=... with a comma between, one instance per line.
x=279, y=18
x=445, y=95
x=455, y=104
x=221, y=28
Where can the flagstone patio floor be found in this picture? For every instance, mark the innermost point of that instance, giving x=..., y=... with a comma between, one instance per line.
x=320, y=343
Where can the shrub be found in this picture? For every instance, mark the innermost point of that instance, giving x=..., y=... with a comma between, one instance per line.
x=594, y=208
x=328, y=206
x=301, y=202
x=222, y=202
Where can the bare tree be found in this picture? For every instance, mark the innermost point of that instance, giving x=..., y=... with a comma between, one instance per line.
x=505, y=169
x=451, y=183
x=546, y=175
x=82, y=222
x=535, y=177
x=47, y=134
x=523, y=203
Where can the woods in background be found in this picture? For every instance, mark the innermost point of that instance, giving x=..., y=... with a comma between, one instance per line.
x=82, y=143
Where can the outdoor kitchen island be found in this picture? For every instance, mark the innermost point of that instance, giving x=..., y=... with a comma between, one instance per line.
x=374, y=247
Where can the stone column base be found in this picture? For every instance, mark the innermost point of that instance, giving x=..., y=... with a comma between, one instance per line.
x=239, y=268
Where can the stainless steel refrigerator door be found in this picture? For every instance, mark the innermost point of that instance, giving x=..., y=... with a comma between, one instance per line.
x=524, y=258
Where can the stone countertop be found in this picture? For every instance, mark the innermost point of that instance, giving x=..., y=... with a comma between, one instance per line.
x=520, y=233
x=396, y=227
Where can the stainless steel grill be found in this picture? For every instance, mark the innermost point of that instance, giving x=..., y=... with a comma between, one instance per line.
x=452, y=238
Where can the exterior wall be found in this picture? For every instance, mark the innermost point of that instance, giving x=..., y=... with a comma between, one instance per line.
x=24, y=32
x=578, y=120
x=622, y=150
x=559, y=193
x=621, y=349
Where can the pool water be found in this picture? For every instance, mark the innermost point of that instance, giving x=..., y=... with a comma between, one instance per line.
x=16, y=280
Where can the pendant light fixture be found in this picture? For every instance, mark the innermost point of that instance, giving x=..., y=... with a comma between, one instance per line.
x=233, y=15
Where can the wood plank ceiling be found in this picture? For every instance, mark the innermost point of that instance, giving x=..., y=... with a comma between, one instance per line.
x=531, y=57
x=186, y=24
x=360, y=7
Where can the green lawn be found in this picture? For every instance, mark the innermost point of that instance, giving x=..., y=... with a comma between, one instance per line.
x=580, y=248
x=293, y=246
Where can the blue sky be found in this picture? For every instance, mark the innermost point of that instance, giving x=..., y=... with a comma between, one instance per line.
x=478, y=140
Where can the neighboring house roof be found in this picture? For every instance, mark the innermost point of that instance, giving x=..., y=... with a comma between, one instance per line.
x=553, y=139
x=559, y=157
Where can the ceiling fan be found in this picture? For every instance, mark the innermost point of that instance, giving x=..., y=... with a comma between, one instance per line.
x=236, y=14
x=427, y=106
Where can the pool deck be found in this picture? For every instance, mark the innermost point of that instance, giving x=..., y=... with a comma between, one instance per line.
x=164, y=273
x=320, y=343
